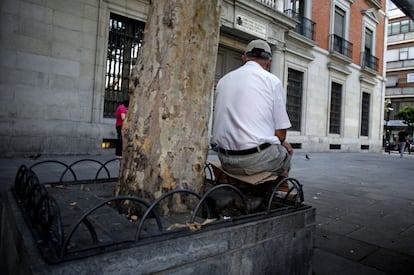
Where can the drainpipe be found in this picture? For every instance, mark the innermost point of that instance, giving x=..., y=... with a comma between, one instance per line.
x=384, y=72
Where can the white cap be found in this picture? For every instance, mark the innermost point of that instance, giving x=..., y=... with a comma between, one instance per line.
x=258, y=44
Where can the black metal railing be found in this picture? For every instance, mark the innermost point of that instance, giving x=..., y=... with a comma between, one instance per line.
x=305, y=27
x=268, y=3
x=75, y=219
x=340, y=45
x=369, y=61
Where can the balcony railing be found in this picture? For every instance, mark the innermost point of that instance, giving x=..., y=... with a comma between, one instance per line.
x=369, y=61
x=306, y=27
x=340, y=45
x=269, y=3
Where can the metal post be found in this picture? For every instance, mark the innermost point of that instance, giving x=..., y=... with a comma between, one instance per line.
x=388, y=109
x=387, y=140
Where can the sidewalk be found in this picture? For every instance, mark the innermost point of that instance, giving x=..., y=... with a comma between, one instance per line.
x=365, y=211
x=364, y=202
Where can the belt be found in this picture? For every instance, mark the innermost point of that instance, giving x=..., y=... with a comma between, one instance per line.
x=245, y=152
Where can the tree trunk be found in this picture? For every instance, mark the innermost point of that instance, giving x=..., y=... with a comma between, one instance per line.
x=165, y=133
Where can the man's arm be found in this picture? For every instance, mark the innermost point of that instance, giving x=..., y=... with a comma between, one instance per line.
x=281, y=134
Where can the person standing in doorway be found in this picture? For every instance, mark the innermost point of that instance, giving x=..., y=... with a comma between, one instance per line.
x=402, y=139
x=120, y=115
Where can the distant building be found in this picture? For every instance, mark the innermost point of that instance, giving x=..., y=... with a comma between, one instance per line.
x=400, y=66
x=65, y=67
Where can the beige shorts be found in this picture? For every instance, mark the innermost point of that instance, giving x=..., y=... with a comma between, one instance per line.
x=272, y=159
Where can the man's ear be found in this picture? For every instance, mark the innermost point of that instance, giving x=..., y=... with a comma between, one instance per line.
x=244, y=58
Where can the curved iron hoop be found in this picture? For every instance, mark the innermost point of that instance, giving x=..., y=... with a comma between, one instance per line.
x=202, y=200
x=91, y=229
x=22, y=175
x=155, y=204
x=104, y=166
x=296, y=185
x=48, y=213
x=58, y=162
x=32, y=180
x=209, y=169
x=83, y=160
x=38, y=192
x=93, y=209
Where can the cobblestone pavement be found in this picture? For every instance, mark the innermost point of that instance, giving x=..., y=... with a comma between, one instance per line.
x=364, y=203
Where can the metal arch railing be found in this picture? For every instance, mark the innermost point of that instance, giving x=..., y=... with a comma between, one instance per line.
x=83, y=219
x=43, y=214
x=38, y=192
x=295, y=191
x=104, y=167
x=296, y=186
x=42, y=211
x=214, y=189
x=157, y=202
x=21, y=179
x=50, y=221
x=209, y=169
x=86, y=160
x=56, y=162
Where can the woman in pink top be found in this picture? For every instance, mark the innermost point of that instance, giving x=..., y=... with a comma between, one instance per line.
x=120, y=115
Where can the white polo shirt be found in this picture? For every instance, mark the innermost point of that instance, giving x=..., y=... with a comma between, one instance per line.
x=249, y=107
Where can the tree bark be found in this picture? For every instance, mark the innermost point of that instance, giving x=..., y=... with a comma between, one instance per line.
x=165, y=133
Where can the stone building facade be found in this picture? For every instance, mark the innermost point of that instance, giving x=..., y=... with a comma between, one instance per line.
x=64, y=67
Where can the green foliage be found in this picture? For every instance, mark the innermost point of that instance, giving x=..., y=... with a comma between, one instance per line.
x=407, y=115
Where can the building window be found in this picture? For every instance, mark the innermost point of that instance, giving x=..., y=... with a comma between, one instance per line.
x=294, y=98
x=124, y=43
x=366, y=98
x=336, y=109
x=403, y=53
x=338, y=42
x=369, y=60
x=410, y=77
x=368, y=41
x=339, y=23
x=399, y=27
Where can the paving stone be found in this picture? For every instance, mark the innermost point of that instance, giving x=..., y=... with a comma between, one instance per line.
x=343, y=246
x=326, y=263
x=391, y=262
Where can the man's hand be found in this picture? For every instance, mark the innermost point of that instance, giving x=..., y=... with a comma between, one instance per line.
x=288, y=147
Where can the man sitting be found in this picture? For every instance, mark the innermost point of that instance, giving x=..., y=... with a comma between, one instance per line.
x=250, y=118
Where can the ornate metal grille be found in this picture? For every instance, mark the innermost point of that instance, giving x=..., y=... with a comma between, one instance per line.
x=124, y=43
x=336, y=107
x=366, y=99
x=294, y=98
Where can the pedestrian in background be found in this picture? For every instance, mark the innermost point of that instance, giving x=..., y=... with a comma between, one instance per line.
x=403, y=140
x=120, y=115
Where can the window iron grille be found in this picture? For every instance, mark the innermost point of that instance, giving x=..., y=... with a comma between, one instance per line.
x=336, y=107
x=366, y=101
x=124, y=43
x=294, y=98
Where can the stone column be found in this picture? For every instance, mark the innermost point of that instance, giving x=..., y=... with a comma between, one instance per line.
x=278, y=62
